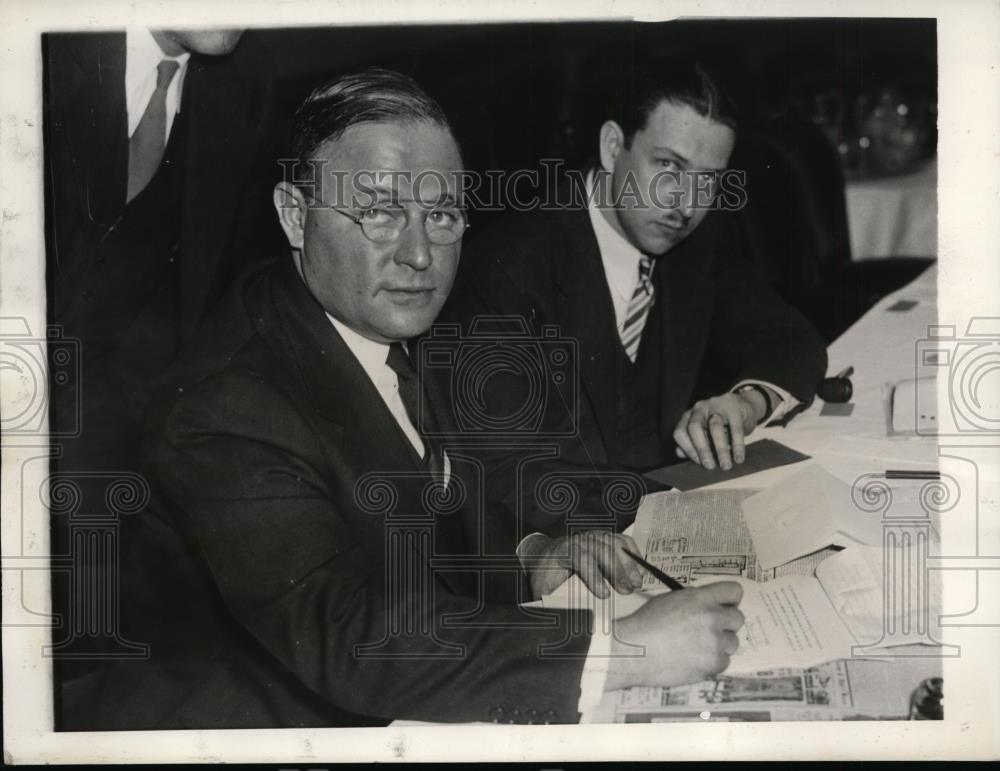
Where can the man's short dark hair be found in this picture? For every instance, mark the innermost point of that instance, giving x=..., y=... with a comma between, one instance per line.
x=641, y=87
x=373, y=95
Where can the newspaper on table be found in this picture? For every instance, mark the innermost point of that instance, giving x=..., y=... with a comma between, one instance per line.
x=703, y=534
x=810, y=625
x=837, y=690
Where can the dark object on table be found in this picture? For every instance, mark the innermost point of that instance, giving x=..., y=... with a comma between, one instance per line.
x=925, y=702
x=835, y=389
x=912, y=474
x=761, y=455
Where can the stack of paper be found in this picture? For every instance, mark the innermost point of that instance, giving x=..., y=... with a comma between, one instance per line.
x=805, y=513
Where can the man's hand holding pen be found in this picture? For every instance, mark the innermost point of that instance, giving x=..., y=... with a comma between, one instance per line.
x=683, y=637
x=674, y=638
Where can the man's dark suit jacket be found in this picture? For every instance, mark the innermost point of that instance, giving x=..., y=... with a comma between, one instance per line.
x=228, y=130
x=232, y=144
x=545, y=267
x=259, y=450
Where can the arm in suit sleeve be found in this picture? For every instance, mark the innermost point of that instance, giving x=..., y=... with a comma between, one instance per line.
x=754, y=333
x=249, y=481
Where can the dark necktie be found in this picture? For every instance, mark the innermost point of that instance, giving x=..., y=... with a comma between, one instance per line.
x=145, y=148
x=416, y=404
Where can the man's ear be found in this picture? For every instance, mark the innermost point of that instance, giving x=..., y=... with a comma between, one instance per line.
x=612, y=142
x=292, y=207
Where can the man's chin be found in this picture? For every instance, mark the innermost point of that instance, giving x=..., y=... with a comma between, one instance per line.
x=409, y=326
x=662, y=240
x=657, y=245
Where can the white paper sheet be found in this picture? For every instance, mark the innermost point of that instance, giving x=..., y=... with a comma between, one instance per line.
x=805, y=513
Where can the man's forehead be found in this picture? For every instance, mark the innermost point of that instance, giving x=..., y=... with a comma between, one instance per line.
x=392, y=146
x=682, y=129
x=400, y=159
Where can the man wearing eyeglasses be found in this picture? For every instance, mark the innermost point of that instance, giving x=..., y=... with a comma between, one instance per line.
x=320, y=555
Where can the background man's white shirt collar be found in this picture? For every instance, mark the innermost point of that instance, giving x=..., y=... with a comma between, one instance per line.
x=619, y=258
x=142, y=56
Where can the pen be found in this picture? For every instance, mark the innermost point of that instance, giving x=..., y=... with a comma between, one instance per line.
x=911, y=474
x=654, y=571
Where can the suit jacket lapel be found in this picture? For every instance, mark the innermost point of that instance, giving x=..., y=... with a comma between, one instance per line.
x=338, y=386
x=588, y=317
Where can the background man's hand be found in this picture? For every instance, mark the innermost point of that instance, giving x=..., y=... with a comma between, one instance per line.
x=596, y=556
x=688, y=637
x=720, y=424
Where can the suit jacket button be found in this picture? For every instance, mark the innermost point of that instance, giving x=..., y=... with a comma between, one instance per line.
x=88, y=295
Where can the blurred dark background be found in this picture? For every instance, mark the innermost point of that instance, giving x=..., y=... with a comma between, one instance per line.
x=823, y=102
x=520, y=92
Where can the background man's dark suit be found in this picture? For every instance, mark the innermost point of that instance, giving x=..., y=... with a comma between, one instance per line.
x=132, y=280
x=711, y=318
x=266, y=428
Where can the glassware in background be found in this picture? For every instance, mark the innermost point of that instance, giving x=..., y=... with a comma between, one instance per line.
x=892, y=131
x=887, y=129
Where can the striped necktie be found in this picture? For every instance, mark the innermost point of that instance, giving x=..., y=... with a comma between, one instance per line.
x=145, y=148
x=638, y=308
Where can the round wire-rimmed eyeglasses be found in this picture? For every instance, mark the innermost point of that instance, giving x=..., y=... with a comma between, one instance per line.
x=384, y=223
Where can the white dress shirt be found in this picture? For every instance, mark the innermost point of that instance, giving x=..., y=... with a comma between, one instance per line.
x=372, y=356
x=142, y=55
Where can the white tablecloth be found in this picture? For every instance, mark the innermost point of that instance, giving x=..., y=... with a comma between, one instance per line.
x=881, y=347
x=894, y=216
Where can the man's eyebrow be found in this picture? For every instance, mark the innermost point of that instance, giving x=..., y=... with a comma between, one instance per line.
x=673, y=152
x=448, y=198
x=444, y=198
